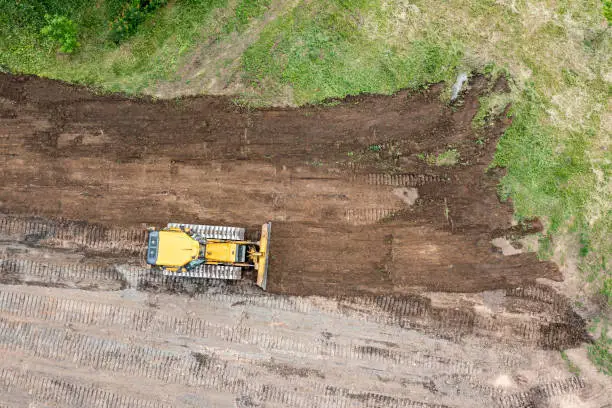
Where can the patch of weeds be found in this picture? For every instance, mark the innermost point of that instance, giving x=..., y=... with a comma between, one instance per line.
x=375, y=148
x=131, y=16
x=448, y=158
x=585, y=243
x=315, y=163
x=244, y=12
x=573, y=368
x=544, y=181
x=330, y=103
x=545, y=247
x=321, y=51
x=491, y=106
x=600, y=352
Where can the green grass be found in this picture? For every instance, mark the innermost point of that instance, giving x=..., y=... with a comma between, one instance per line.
x=319, y=51
x=152, y=54
x=600, y=353
x=245, y=11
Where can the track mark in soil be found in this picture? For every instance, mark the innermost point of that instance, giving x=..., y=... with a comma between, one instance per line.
x=82, y=276
x=361, y=216
x=167, y=367
x=540, y=394
x=402, y=180
x=73, y=234
x=43, y=389
x=154, y=323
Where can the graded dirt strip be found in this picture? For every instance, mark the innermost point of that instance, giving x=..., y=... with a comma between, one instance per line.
x=355, y=207
x=244, y=351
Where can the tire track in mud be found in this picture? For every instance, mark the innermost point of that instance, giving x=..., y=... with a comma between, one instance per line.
x=83, y=276
x=69, y=311
x=44, y=389
x=70, y=234
x=192, y=369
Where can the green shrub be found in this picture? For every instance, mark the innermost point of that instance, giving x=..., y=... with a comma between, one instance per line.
x=61, y=31
x=132, y=15
x=607, y=10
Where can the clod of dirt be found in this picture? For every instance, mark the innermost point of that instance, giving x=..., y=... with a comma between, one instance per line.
x=407, y=194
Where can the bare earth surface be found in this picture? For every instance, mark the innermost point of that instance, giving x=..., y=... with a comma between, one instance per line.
x=384, y=287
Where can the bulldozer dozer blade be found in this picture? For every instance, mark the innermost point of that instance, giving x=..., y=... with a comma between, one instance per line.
x=264, y=258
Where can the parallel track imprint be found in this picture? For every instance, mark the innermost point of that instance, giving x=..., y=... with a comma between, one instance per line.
x=84, y=312
x=358, y=216
x=167, y=367
x=541, y=393
x=82, y=276
x=402, y=180
x=415, y=313
x=542, y=294
x=70, y=234
x=45, y=389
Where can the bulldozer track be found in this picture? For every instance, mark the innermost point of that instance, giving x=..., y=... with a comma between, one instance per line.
x=359, y=216
x=402, y=180
x=70, y=234
x=418, y=313
x=170, y=367
x=44, y=389
x=535, y=396
x=209, y=272
x=213, y=231
x=69, y=311
x=82, y=276
x=540, y=293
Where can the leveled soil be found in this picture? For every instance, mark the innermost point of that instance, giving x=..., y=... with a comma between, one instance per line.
x=404, y=301
x=355, y=207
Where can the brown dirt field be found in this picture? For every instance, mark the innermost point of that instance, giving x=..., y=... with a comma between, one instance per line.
x=354, y=207
x=403, y=298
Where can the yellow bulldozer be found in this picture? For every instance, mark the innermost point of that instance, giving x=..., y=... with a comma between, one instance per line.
x=208, y=251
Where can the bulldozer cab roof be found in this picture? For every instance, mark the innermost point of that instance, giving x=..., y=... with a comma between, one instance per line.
x=171, y=248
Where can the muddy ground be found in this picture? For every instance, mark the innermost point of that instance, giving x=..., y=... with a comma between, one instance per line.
x=383, y=240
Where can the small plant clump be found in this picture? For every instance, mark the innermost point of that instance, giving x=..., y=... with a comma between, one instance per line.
x=447, y=158
x=133, y=14
x=61, y=31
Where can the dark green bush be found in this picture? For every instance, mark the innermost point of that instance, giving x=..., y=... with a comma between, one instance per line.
x=132, y=15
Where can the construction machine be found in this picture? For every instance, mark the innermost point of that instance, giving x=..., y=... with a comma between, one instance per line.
x=208, y=251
